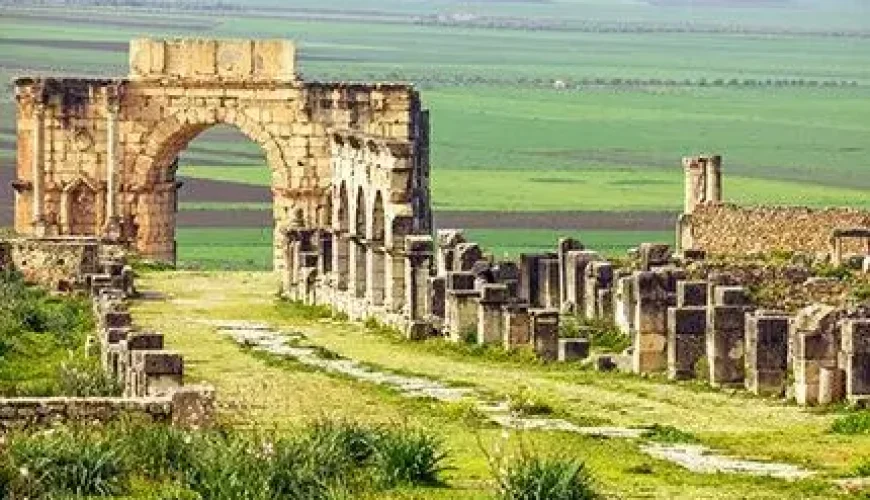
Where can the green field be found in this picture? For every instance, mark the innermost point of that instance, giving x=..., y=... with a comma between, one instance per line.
x=538, y=105
x=224, y=248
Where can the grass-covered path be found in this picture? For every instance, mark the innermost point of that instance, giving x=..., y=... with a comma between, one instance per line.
x=256, y=391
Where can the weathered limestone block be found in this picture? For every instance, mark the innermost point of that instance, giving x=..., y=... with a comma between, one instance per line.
x=466, y=255
x=461, y=318
x=816, y=340
x=193, y=407
x=548, y=283
x=692, y=293
x=653, y=255
x=448, y=239
x=545, y=333
x=437, y=290
x=508, y=273
x=529, y=280
x=418, y=263
x=154, y=373
x=490, y=321
x=650, y=319
x=687, y=328
x=575, y=279
x=116, y=319
x=599, y=276
x=766, y=353
x=573, y=349
x=726, y=344
x=855, y=358
x=517, y=326
x=730, y=296
x=565, y=245
x=624, y=305
x=832, y=385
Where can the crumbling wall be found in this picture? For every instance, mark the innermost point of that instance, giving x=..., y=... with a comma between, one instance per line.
x=732, y=229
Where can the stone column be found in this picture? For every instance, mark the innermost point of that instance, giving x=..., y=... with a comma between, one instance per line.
x=565, y=245
x=37, y=169
x=545, y=333
x=714, y=179
x=395, y=280
x=358, y=267
x=375, y=274
x=437, y=291
x=418, y=263
x=855, y=355
x=766, y=353
x=575, y=277
x=548, y=283
x=341, y=259
x=517, y=326
x=650, y=321
x=599, y=277
x=490, y=324
x=687, y=327
x=447, y=241
x=726, y=326
x=111, y=160
x=695, y=179
x=460, y=309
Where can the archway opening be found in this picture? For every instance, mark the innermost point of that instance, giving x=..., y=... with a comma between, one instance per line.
x=223, y=201
x=377, y=251
x=360, y=245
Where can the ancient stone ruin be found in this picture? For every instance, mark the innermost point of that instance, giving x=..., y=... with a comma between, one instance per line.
x=354, y=232
x=96, y=157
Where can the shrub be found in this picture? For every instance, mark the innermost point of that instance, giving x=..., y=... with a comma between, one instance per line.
x=159, y=451
x=854, y=423
x=554, y=478
x=862, y=469
x=409, y=457
x=603, y=335
x=861, y=293
x=68, y=462
x=669, y=434
x=831, y=271
x=86, y=378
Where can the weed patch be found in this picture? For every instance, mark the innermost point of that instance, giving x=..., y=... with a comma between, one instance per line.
x=853, y=423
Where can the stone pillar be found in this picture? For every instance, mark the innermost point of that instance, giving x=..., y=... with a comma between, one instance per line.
x=695, y=179
x=437, y=291
x=726, y=325
x=38, y=169
x=517, y=326
x=466, y=255
x=653, y=255
x=358, y=267
x=545, y=333
x=461, y=319
x=447, y=241
x=599, y=277
x=395, y=279
x=766, y=353
x=817, y=343
x=418, y=264
x=490, y=323
x=650, y=320
x=565, y=245
x=714, y=179
x=855, y=359
x=528, y=286
x=111, y=162
x=341, y=259
x=624, y=305
x=548, y=284
x=375, y=274
x=575, y=278
x=687, y=328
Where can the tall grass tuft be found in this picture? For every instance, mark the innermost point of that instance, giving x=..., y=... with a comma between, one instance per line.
x=409, y=457
x=554, y=478
x=67, y=462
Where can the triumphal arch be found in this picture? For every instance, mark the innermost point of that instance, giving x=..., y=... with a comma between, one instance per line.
x=97, y=156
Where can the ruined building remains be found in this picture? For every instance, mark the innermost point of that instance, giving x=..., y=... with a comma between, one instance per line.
x=96, y=156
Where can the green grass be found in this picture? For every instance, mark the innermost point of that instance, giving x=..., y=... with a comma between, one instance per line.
x=224, y=248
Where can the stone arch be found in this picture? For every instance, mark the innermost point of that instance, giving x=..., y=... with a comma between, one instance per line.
x=174, y=133
x=152, y=174
x=79, y=211
x=378, y=219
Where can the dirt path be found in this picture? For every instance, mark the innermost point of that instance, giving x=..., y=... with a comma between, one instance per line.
x=255, y=389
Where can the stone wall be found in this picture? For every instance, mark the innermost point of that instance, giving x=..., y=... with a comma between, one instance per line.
x=97, y=156
x=731, y=229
